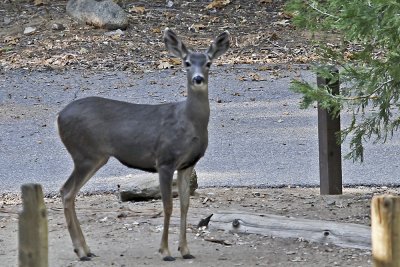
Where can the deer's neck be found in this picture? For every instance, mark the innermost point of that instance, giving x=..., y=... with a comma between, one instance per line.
x=198, y=106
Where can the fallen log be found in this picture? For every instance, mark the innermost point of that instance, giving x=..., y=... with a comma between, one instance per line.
x=347, y=235
x=149, y=189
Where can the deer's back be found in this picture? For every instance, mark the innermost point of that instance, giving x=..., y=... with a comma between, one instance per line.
x=140, y=136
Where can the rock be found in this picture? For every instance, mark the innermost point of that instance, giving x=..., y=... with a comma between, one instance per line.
x=151, y=190
x=99, y=13
x=57, y=27
x=29, y=30
x=115, y=33
x=7, y=20
x=83, y=51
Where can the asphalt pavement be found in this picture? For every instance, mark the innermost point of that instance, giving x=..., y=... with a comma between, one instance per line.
x=258, y=136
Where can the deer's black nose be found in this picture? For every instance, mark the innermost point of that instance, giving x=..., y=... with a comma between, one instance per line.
x=198, y=80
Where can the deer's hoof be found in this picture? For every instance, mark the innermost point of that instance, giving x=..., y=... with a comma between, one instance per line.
x=188, y=256
x=168, y=258
x=85, y=258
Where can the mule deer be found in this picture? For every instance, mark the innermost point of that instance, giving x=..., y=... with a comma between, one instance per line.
x=155, y=138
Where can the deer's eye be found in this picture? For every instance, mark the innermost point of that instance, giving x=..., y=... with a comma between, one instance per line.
x=208, y=64
x=187, y=64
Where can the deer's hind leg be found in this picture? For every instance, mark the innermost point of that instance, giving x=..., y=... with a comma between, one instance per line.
x=84, y=169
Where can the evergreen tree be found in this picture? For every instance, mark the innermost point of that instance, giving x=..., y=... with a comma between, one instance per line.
x=367, y=53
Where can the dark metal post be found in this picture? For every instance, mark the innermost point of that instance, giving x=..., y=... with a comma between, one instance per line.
x=330, y=156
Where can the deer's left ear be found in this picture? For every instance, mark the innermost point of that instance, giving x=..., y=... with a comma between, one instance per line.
x=219, y=46
x=174, y=44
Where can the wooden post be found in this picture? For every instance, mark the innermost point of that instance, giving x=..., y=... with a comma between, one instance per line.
x=385, y=227
x=330, y=155
x=33, y=231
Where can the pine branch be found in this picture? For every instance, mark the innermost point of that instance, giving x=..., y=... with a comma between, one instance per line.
x=364, y=96
x=312, y=5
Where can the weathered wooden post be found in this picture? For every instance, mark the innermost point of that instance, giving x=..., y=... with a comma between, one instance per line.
x=33, y=231
x=330, y=155
x=385, y=227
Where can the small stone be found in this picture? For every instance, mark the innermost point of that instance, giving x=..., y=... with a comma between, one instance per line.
x=57, y=27
x=29, y=30
x=331, y=203
x=83, y=51
x=118, y=32
x=122, y=215
x=236, y=223
x=7, y=20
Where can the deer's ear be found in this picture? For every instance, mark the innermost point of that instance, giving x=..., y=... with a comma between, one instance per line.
x=174, y=44
x=219, y=46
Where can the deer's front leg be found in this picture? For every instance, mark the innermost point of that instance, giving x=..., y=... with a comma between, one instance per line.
x=184, y=198
x=165, y=177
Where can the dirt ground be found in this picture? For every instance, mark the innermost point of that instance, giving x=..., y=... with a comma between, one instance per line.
x=261, y=33
x=128, y=234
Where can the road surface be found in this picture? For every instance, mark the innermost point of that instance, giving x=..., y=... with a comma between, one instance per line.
x=258, y=136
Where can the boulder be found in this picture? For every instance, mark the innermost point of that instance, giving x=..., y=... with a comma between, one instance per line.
x=98, y=13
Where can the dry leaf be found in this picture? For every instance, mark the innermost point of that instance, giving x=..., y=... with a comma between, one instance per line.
x=283, y=22
x=198, y=27
x=164, y=65
x=169, y=15
x=264, y=68
x=274, y=37
x=12, y=40
x=156, y=30
x=218, y=4
x=349, y=55
x=137, y=9
x=286, y=15
x=116, y=36
x=255, y=77
x=175, y=61
x=40, y=2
